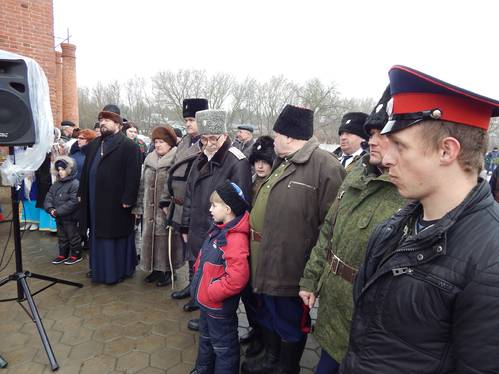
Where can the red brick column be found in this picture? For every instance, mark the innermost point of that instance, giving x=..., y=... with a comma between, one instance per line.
x=58, y=88
x=27, y=28
x=69, y=88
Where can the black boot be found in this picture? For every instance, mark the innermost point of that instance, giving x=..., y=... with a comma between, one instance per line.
x=166, y=279
x=268, y=363
x=255, y=343
x=289, y=362
x=190, y=306
x=183, y=293
x=193, y=324
x=153, y=277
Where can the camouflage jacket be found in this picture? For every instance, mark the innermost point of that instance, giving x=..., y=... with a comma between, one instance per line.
x=365, y=199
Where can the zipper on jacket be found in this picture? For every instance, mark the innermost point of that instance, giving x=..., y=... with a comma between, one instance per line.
x=302, y=184
x=401, y=271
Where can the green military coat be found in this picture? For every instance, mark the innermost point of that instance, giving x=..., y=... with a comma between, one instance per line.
x=365, y=199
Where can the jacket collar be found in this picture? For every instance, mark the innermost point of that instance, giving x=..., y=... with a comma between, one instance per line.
x=478, y=198
x=219, y=156
x=367, y=174
x=111, y=143
x=302, y=155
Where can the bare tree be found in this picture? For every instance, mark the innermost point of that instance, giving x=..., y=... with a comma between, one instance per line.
x=172, y=87
x=217, y=89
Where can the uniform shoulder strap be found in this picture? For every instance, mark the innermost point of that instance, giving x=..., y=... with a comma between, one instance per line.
x=236, y=152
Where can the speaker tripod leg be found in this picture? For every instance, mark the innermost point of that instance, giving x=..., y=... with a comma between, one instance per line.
x=3, y=363
x=39, y=325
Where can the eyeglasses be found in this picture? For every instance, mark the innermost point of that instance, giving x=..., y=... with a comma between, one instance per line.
x=210, y=139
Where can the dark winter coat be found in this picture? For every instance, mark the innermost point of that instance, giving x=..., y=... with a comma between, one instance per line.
x=63, y=194
x=205, y=176
x=429, y=302
x=494, y=184
x=118, y=178
x=173, y=195
x=78, y=154
x=43, y=180
x=296, y=209
x=155, y=235
x=222, y=268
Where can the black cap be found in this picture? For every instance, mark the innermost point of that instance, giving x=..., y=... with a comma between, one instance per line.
x=353, y=123
x=295, y=122
x=191, y=106
x=233, y=196
x=378, y=117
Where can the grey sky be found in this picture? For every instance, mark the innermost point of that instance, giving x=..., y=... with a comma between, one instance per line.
x=352, y=43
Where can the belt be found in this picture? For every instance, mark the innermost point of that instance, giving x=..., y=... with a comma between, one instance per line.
x=340, y=268
x=255, y=236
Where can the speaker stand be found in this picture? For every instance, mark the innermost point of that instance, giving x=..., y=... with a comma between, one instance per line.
x=23, y=291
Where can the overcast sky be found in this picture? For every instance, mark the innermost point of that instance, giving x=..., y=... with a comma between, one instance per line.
x=352, y=43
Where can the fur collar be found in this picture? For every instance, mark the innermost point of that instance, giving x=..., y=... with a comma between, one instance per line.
x=155, y=162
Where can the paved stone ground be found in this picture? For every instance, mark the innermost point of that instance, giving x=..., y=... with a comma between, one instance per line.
x=131, y=327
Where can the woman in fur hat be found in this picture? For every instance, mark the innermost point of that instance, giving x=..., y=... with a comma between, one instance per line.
x=159, y=253
x=261, y=158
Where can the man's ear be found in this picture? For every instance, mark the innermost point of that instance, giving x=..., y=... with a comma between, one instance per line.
x=449, y=150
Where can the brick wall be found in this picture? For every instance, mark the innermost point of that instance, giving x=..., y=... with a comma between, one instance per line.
x=27, y=28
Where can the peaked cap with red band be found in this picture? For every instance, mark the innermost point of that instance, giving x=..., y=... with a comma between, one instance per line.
x=419, y=97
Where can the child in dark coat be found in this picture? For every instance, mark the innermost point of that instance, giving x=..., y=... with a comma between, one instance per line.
x=221, y=273
x=61, y=203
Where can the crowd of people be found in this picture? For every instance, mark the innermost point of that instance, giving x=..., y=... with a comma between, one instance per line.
x=395, y=233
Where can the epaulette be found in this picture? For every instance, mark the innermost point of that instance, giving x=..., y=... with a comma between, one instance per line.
x=236, y=152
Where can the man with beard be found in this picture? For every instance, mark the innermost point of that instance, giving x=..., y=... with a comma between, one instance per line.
x=366, y=198
x=108, y=188
x=426, y=298
x=172, y=199
x=217, y=162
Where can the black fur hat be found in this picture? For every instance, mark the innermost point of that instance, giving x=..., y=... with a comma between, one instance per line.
x=112, y=108
x=295, y=122
x=191, y=106
x=263, y=149
x=379, y=116
x=233, y=196
x=353, y=123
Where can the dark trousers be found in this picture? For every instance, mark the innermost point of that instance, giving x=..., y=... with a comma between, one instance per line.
x=327, y=364
x=287, y=317
x=219, y=350
x=69, y=238
x=250, y=305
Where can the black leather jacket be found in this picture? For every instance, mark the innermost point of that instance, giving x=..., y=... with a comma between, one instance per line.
x=429, y=303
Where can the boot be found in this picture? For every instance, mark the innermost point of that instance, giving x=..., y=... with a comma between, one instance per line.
x=183, y=293
x=291, y=352
x=153, y=277
x=267, y=363
x=190, y=306
x=255, y=342
x=166, y=279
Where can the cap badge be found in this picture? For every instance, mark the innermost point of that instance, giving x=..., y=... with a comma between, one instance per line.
x=436, y=114
x=259, y=147
x=347, y=122
x=378, y=108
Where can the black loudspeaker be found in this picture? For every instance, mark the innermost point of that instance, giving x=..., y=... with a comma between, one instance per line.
x=16, y=118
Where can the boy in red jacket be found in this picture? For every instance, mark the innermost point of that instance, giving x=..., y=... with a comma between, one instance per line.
x=221, y=273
